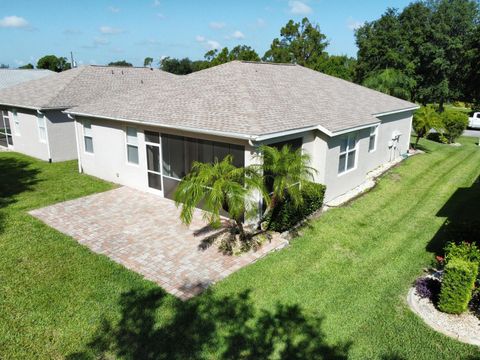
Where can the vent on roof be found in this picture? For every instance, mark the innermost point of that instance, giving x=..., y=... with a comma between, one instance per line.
x=112, y=71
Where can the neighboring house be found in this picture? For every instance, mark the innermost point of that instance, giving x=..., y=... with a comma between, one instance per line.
x=148, y=138
x=10, y=77
x=32, y=120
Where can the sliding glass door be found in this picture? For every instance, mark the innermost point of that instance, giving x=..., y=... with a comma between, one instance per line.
x=152, y=148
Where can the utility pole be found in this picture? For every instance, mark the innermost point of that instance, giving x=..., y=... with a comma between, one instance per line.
x=71, y=57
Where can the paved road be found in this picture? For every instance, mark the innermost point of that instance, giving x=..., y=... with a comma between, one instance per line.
x=471, y=132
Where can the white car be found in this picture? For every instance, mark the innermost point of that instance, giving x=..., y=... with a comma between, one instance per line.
x=474, y=121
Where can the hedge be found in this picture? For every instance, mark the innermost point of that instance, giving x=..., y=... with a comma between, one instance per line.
x=286, y=215
x=454, y=124
x=457, y=285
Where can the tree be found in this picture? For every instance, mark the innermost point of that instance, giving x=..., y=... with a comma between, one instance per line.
x=147, y=62
x=4, y=66
x=472, y=73
x=286, y=171
x=182, y=66
x=27, y=66
x=425, y=119
x=219, y=186
x=121, y=63
x=239, y=52
x=340, y=66
x=392, y=82
x=53, y=63
x=454, y=124
x=380, y=45
x=301, y=43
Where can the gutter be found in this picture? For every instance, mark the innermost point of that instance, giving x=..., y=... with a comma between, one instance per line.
x=252, y=139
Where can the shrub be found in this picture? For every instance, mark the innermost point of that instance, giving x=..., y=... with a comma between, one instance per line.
x=428, y=288
x=454, y=124
x=475, y=303
x=457, y=285
x=465, y=251
x=285, y=214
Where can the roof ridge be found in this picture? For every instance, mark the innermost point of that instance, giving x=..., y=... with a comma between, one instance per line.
x=62, y=88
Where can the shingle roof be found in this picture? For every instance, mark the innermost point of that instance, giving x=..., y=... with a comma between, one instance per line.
x=79, y=86
x=251, y=99
x=10, y=77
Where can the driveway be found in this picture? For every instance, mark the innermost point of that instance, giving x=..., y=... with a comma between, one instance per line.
x=472, y=132
x=143, y=232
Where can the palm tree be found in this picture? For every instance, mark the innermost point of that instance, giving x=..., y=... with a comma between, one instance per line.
x=425, y=119
x=219, y=186
x=285, y=172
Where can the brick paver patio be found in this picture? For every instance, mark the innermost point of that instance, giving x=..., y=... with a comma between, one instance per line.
x=143, y=232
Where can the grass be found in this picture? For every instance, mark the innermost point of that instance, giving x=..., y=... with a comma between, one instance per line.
x=339, y=289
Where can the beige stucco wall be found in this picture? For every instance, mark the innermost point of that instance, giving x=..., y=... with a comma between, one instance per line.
x=109, y=160
x=338, y=184
x=28, y=142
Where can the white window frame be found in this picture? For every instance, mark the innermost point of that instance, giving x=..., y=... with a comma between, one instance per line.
x=347, y=154
x=374, y=135
x=16, y=123
x=87, y=134
x=127, y=144
x=40, y=119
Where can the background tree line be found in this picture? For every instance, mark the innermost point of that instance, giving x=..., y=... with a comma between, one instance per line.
x=429, y=53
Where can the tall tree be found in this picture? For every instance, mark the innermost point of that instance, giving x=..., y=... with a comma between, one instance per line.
x=340, y=66
x=380, y=45
x=27, y=66
x=472, y=66
x=239, y=52
x=148, y=62
x=182, y=66
x=392, y=82
x=51, y=62
x=301, y=43
x=121, y=63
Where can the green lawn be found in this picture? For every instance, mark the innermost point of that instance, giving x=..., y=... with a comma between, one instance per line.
x=339, y=289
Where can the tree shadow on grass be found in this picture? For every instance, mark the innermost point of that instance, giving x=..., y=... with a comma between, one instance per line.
x=16, y=177
x=155, y=326
x=462, y=224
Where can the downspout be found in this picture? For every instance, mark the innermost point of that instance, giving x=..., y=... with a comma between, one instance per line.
x=49, y=154
x=79, y=158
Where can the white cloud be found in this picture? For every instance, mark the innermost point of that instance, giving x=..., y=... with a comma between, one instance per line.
x=114, y=9
x=160, y=16
x=71, y=32
x=217, y=25
x=100, y=41
x=200, y=38
x=213, y=45
x=260, y=22
x=13, y=22
x=19, y=62
x=238, y=35
x=108, y=30
x=299, y=8
x=156, y=3
x=353, y=24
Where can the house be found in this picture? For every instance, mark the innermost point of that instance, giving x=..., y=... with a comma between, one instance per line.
x=148, y=138
x=32, y=120
x=10, y=77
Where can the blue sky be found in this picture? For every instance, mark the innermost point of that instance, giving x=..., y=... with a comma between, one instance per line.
x=102, y=31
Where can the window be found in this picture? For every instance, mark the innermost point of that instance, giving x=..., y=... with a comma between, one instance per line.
x=16, y=123
x=132, y=145
x=87, y=136
x=42, y=130
x=372, y=144
x=5, y=130
x=348, y=153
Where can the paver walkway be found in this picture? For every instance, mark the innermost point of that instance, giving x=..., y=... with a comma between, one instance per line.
x=143, y=232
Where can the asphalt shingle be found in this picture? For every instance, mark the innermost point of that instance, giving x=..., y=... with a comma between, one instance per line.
x=251, y=99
